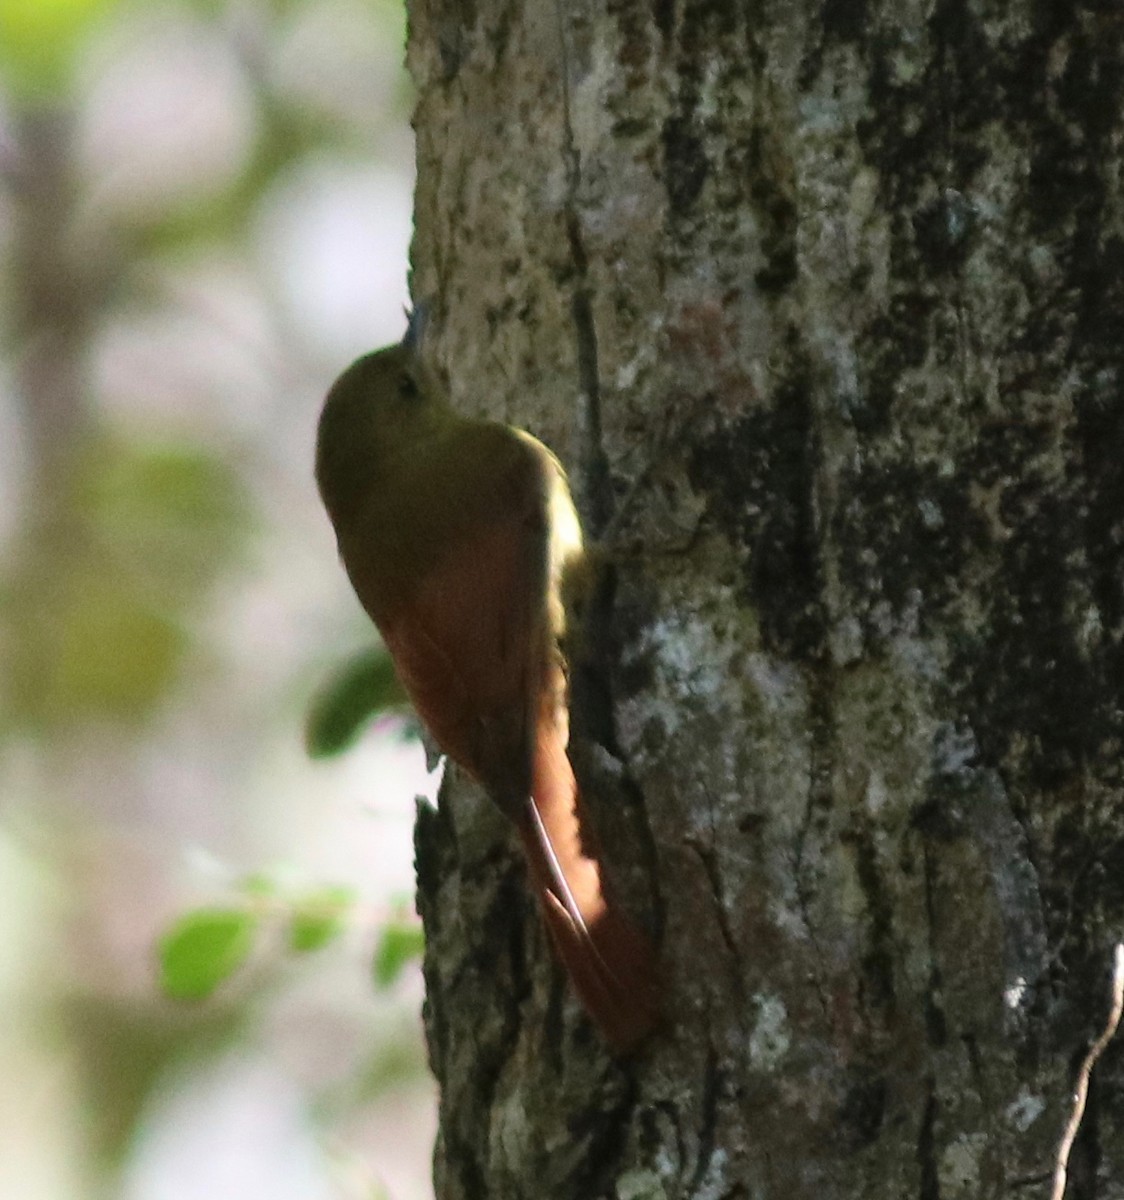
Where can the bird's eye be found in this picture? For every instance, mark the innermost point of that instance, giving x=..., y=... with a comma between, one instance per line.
x=407, y=388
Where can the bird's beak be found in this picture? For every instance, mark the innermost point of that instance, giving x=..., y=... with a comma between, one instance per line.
x=416, y=322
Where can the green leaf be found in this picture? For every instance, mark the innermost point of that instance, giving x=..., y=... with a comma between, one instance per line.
x=359, y=690
x=399, y=945
x=203, y=949
x=319, y=917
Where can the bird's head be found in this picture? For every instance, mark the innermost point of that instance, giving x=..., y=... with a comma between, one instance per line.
x=375, y=410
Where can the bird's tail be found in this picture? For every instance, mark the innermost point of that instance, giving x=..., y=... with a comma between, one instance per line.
x=608, y=957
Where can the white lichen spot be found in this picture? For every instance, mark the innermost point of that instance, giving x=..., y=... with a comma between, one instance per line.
x=713, y=82
x=838, y=355
x=905, y=66
x=931, y=515
x=876, y=794
x=787, y=917
x=645, y=357
x=846, y=640
x=627, y=374
x=819, y=114
x=587, y=96
x=1013, y=995
x=770, y=1040
x=714, y=1183
x=954, y=752
x=863, y=201
x=920, y=659
x=690, y=660
x=959, y=1169
x=1041, y=259
x=510, y=1129
x=1024, y=1110
x=665, y=1163
x=1090, y=629
x=777, y=684
x=640, y=1185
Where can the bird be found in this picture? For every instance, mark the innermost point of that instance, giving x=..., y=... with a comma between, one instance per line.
x=458, y=535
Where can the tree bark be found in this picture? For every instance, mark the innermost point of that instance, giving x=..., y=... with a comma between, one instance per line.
x=834, y=292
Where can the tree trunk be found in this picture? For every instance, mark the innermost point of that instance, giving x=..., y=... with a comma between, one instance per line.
x=836, y=291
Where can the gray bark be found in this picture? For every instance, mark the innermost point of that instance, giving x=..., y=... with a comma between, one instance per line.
x=841, y=285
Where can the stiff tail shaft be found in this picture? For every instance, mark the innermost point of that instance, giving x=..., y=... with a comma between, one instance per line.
x=608, y=957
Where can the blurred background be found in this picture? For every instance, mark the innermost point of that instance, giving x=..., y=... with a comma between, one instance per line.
x=205, y=213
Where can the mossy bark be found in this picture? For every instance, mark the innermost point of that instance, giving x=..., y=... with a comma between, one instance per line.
x=835, y=293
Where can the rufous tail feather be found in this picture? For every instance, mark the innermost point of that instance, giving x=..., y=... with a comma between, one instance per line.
x=610, y=960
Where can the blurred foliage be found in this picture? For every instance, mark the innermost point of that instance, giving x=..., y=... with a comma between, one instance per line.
x=364, y=687
x=128, y=1048
x=98, y=602
x=131, y=520
x=319, y=917
x=175, y=513
x=205, y=947
x=39, y=40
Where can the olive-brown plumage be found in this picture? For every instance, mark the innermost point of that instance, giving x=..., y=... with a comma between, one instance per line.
x=455, y=534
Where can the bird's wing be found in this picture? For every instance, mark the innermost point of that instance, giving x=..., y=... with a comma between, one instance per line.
x=471, y=645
